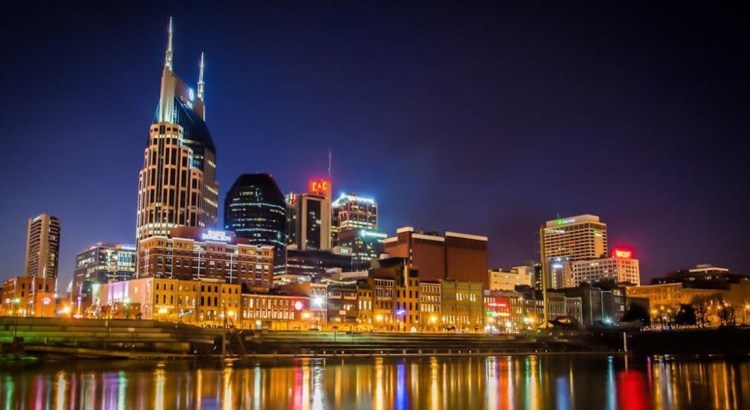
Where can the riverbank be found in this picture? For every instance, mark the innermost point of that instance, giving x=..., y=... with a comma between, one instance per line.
x=152, y=340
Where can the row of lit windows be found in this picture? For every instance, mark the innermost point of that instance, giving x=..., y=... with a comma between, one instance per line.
x=263, y=314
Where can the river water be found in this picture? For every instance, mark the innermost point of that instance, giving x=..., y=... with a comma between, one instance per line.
x=508, y=382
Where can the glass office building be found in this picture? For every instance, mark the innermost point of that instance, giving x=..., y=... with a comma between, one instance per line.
x=255, y=209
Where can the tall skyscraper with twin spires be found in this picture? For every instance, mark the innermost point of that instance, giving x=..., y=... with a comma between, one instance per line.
x=177, y=185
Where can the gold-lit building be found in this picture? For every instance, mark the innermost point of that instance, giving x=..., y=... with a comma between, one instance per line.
x=462, y=305
x=28, y=297
x=342, y=306
x=201, y=302
x=276, y=312
x=430, y=305
x=670, y=294
x=665, y=299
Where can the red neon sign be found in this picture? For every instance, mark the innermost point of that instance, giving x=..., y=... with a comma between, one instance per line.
x=320, y=186
x=622, y=253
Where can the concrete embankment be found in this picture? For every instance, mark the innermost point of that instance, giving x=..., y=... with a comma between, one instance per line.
x=113, y=338
x=151, y=339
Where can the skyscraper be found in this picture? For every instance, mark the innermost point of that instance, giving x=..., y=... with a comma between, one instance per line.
x=177, y=185
x=42, y=247
x=351, y=211
x=565, y=240
x=313, y=222
x=255, y=209
x=309, y=217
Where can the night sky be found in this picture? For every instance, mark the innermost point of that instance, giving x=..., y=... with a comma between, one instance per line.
x=478, y=119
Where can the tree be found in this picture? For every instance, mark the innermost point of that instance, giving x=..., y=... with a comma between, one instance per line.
x=726, y=313
x=686, y=315
x=637, y=312
x=703, y=304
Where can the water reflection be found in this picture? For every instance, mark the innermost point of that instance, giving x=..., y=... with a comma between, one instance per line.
x=503, y=382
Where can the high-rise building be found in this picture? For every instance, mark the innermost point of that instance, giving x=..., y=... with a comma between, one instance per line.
x=313, y=222
x=42, y=247
x=177, y=185
x=312, y=216
x=565, y=240
x=291, y=218
x=621, y=267
x=456, y=256
x=351, y=211
x=366, y=245
x=102, y=263
x=255, y=209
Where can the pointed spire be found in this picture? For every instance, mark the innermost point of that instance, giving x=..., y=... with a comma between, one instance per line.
x=168, y=54
x=201, y=84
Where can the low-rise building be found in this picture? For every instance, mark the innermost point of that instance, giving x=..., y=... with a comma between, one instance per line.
x=205, y=302
x=508, y=280
x=497, y=306
x=276, y=311
x=430, y=305
x=28, y=297
x=462, y=305
x=342, y=306
x=599, y=306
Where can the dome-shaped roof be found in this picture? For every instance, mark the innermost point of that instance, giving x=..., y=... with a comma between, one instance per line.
x=263, y=186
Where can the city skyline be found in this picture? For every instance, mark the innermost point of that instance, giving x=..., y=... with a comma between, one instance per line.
x=104, y=210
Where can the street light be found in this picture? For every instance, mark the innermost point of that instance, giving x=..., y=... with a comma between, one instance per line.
x=17, y=301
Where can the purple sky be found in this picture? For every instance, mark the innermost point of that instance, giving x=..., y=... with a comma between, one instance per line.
x=473, y=119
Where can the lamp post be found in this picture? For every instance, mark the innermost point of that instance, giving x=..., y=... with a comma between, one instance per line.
x=224, y=333
x=16, y=301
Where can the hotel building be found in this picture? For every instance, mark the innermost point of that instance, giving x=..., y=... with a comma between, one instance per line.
x=195, y=254
x=566, y=240
x=621, y=267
